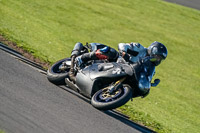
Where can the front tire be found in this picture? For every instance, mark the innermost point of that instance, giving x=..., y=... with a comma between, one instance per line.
x=104, y=101
x=55, y=75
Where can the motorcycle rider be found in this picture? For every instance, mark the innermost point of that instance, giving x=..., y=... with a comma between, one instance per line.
x=133, y=53
x=97, y=52
x=149, y=58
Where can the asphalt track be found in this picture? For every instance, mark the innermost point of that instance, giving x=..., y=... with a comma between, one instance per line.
x=29, y=103
x=189, y=3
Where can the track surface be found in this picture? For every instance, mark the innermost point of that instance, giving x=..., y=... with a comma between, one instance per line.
x=29, y=103
x=189, y=3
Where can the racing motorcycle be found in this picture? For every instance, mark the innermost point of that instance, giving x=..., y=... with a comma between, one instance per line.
x=108, y=84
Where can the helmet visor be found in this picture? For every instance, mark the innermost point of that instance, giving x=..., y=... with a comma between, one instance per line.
x=156, y=59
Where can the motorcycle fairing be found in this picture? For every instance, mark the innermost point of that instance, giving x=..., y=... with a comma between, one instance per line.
x=93, y=77
x=84, y=83
x=107, y=70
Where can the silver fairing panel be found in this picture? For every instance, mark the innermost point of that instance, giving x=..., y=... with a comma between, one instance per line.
x=88, y=78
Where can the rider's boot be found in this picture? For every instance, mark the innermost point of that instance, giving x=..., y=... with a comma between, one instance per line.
x=79, y=63
x=72, y=71
x=75, y=52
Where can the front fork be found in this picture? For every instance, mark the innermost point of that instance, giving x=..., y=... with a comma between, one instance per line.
x=115, y=86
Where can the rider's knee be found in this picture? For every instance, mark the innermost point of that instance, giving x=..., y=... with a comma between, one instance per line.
x=77, y=49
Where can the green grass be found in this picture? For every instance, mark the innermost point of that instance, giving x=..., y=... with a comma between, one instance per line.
x=50, y=29
x=1, y=131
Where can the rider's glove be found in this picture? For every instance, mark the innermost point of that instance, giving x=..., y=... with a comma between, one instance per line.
x=156, y=82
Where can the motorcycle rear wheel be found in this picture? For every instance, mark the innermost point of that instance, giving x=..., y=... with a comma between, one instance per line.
x=55, y=75
x=104, y=101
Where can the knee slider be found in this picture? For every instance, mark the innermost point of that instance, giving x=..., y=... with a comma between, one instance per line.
x=77, y=48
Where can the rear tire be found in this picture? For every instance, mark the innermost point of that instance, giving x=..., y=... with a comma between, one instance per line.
x=104, y=101
x=55, y=75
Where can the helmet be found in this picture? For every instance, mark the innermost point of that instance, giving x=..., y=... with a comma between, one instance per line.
x=158, y=52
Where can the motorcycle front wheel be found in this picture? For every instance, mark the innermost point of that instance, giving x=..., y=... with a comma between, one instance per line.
x=103, y=100
x=56, y=75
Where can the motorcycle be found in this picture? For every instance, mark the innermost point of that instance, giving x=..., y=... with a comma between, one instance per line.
x=108, y=84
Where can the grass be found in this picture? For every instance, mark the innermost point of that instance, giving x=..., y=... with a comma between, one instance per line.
x=1, y=131
x=50, y=29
